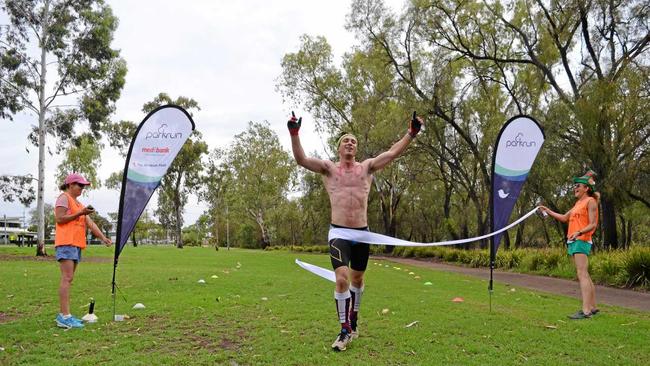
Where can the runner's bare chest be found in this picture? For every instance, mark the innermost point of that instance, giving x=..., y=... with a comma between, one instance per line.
x=348, y=178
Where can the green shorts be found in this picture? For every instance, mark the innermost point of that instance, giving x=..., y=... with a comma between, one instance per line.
x=579, y=246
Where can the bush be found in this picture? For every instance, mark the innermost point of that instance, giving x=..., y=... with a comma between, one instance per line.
x=450, y=255
x=480, y=259
x=630, y=269
x=191, y=239
x=636, y=268
x=508, y=259
x=607, y=268
x=552, y=258
x=534, y=261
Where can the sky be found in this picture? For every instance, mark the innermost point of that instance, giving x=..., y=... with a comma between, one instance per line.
x=224, y=54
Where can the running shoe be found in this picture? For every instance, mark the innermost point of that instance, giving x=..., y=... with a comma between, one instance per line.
x=69, y=322
x=342, y=341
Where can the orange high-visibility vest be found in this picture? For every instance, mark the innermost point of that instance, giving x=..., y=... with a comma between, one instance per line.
x=579, y=218
x=74, y=232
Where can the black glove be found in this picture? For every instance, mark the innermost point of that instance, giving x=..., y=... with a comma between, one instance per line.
x=294, y=124
x=415, y=125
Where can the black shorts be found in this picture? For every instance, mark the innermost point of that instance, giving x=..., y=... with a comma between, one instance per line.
x=349, y=253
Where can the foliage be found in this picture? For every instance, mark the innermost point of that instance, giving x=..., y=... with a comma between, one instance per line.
x=74, y=37
x=636, y=268
x=17, y=188
x=83, y=156
x=260, y=174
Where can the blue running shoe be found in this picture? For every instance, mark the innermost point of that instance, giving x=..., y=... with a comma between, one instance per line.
x=67, y=323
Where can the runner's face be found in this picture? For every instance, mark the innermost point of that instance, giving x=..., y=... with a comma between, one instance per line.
x=348, y=146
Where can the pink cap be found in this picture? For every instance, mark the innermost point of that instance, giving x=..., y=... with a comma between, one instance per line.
x=76, y=178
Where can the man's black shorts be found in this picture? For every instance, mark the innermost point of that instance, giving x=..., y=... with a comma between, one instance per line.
x=347, y=252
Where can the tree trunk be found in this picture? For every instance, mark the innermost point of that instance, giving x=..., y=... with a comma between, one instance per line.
x=259, y=219
x=179, y=233
x=623, y=231
x=215, y=230
x=610, y=237
x=628, y=240
x=40, y=209
x=133, y=239
x=177, y=209
x=519, y=239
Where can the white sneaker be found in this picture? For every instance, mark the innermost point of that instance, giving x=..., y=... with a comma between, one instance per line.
x=342, y=341
x=355, y=330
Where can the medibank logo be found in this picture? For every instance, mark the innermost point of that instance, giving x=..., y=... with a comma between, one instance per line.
x=161, y=134
x=519, y=141
x=155, y=150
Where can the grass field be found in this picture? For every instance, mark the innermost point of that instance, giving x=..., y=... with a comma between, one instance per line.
x=264, y=310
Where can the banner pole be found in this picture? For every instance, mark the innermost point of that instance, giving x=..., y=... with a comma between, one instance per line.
x=113, y=287
x=490, y=288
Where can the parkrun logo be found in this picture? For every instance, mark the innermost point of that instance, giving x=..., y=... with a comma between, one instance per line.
x=161, y=134
x=519, y=142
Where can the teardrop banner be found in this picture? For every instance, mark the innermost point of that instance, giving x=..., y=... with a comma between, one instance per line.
x=156, y=143
x=516, y=148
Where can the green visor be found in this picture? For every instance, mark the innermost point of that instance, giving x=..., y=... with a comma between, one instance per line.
x=584, y=180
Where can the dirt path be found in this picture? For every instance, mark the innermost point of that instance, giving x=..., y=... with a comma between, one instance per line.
x=606, y=295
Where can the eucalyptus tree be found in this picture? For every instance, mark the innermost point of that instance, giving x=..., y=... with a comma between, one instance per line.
x=52, y=51
x=213, y=190
x=262, y=173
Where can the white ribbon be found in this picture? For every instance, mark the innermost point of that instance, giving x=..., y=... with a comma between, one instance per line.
x=374, y=238
x=325, y=273
x=369, y=237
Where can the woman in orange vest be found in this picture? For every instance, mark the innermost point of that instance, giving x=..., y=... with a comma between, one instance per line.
x=583, y=220
x=70, y=239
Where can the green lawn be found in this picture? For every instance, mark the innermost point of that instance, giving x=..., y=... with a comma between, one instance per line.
x=264, y=309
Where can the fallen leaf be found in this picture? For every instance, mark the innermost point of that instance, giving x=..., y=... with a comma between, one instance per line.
x=385, y=311
x=411, y=324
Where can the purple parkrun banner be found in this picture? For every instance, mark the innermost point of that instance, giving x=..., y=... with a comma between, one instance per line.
x=154, y=147
x=515, y=151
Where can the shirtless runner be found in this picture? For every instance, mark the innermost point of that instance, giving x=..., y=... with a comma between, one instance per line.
x=348, y=184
